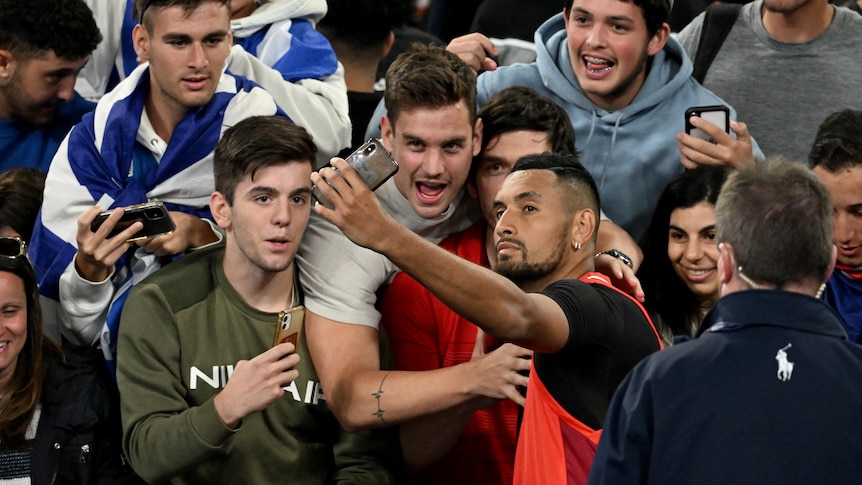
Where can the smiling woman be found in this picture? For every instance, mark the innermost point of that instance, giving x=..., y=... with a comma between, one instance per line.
x=49, y=401
x=679, y=274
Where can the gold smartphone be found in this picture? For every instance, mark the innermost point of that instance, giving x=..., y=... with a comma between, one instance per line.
x=289, y=326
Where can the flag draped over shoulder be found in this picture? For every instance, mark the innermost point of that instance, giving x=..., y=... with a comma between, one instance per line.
x=92, y=166
x=294, y=48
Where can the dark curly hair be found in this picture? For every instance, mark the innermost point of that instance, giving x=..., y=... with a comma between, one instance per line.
x=30, y=29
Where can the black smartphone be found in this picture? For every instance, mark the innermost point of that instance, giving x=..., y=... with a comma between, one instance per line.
x=154, y=215
x=372, y=163
x=717, y=115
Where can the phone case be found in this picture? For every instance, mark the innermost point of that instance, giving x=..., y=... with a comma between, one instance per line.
x=154, y=215
x=718, y=115
x=372, y=163
x=289, y=325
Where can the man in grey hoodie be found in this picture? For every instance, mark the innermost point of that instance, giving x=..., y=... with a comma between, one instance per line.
x=625, y=84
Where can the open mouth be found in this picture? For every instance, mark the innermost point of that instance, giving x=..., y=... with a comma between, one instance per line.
x=429, y=193
x=597, y=64
x=3, y=345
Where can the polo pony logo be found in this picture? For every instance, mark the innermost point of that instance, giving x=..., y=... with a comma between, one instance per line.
x=785, y=367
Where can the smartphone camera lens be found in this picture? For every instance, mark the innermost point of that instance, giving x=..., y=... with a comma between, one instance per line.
x=153, y=214
x=368, y=150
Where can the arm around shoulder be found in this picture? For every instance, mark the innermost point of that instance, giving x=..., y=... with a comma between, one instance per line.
x=318, y=105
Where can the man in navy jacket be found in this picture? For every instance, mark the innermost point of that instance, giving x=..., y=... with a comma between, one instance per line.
x=768, y=391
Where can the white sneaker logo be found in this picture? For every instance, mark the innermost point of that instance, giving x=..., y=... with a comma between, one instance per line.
x=785, y=367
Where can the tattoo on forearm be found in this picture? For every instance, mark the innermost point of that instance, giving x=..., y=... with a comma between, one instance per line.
x=379, y=412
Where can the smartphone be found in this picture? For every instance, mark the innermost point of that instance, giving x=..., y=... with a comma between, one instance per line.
x=717, y=115
x=372, y=163
x=289, y=325
x=154, y=215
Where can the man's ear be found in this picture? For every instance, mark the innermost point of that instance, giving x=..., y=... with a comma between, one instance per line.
x=387, y=133
x=725, y=264
x=477, y=137
x=7, y=66
x=658, y=40
x=141, y=42
x=583, y=227
x=387, y=46
x=220, y=210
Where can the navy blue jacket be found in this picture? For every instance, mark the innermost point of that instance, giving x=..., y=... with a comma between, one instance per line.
x=771, y=392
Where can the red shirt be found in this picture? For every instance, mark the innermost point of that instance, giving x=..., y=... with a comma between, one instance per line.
x=425, y=334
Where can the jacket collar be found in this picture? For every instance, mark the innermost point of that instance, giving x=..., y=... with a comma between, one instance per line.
x=773, y=308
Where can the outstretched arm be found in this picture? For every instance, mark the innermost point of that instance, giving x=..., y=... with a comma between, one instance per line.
x=489, y=300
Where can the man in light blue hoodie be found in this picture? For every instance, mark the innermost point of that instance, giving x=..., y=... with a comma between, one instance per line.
x=626, y=85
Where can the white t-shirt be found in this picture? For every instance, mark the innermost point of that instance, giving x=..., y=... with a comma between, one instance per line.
x=341, y=279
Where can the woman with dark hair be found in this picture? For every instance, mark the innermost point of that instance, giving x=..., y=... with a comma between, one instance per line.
x=20, y=199
x=679, y=273
x=57, y=420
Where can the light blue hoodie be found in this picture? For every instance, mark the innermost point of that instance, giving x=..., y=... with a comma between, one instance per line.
x=632, y=153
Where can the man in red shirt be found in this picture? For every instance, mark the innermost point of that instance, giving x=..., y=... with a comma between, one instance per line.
x=476, y=443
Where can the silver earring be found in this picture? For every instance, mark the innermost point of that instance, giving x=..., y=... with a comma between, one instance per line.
x=577, y=245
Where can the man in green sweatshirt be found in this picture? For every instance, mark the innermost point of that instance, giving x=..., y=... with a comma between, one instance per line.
x=209, y=392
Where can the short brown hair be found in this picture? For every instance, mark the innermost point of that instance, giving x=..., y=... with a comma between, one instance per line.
x=143, y=6
x=428, y=77
x=255, y=143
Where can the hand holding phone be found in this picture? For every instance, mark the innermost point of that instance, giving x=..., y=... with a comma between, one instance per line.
x=717, y=115
x=154, y=216
x=372, y=163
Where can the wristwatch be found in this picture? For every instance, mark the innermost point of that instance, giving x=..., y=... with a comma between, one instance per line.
x=616, y=253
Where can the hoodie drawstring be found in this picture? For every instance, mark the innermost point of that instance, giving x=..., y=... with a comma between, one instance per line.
x=610, y=151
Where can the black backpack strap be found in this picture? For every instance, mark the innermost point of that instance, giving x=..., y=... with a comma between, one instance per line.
x=717, y=22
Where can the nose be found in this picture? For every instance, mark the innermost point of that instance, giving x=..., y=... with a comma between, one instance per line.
x=66, y=88
x=197, y=56
x=596, y=36
x=844, y=230
x=693, y=250
x=504, y=225
x=281, y=213
x=434, y=164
